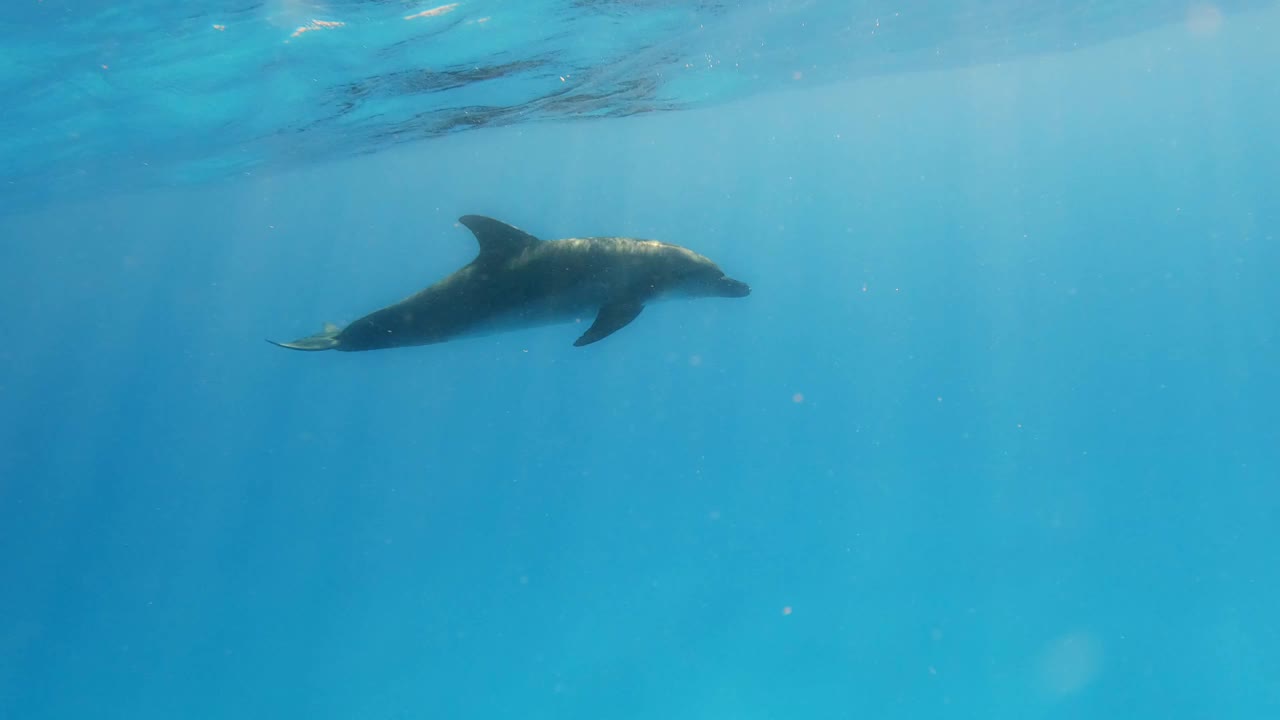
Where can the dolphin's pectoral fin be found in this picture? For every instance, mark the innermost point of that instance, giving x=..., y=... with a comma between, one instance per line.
x=326, y=339
x=497, y=239
x=609, y=320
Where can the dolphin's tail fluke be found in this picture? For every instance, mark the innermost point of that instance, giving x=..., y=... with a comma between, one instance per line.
x=326, y=339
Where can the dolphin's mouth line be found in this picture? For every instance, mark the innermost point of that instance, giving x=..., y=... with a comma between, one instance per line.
x=734, y=288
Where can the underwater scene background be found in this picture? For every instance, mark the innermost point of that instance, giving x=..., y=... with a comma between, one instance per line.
x=994, y=436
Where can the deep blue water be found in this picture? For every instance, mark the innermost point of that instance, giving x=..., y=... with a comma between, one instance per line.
x=995, y=436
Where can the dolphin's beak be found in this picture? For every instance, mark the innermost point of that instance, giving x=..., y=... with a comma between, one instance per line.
x=733, y=288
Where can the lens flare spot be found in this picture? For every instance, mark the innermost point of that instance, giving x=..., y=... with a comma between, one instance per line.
x=1204, y=19
x=1069, y=663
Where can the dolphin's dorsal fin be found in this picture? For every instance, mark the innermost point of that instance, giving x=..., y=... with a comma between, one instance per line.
x=497, y=239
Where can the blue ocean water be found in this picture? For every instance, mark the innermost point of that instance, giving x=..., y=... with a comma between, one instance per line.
x=995, y=435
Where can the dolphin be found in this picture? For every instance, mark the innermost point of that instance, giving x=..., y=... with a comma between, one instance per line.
x=519, y=281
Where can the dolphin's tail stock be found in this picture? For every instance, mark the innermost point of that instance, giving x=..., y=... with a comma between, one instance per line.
x=326, y=339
